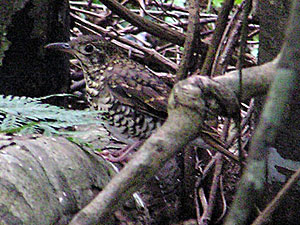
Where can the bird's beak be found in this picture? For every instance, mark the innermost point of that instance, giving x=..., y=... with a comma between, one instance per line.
x=61, y=46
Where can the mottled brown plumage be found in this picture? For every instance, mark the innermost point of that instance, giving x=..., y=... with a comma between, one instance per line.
x=131, y=98
x=133, y=102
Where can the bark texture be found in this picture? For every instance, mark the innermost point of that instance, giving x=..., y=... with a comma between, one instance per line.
x=284, y=158
x=46, y=180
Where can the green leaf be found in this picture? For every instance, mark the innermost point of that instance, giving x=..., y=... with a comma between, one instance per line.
x=31, y=115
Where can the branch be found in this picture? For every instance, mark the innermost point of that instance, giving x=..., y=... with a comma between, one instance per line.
x=44, y=180
x=220, y=27
x=284, y=87
x=146, y=25
x=256, y=80
x=187, y=111
x=190, y=41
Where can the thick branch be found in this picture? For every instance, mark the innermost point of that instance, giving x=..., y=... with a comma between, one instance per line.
x=284, y=87
x=180, y=128
x=45, y=180
x=187, y=110
x=256, y=80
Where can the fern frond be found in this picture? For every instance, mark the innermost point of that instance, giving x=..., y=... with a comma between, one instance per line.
x=31, y=115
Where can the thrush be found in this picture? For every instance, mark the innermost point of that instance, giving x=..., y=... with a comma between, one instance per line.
x=130, y=97
x=133, y=102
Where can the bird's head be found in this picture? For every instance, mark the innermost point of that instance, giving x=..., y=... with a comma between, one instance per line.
x=89, y=50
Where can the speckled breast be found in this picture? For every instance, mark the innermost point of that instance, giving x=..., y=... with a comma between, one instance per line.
x=123, y=121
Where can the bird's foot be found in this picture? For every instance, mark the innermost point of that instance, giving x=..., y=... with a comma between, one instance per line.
x=120, y=156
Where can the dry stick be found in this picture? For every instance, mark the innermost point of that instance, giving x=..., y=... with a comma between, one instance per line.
x=163, y=23
x=223, y=200
x=151, y=12
x=144, y=24
x=85, y=28
x=89, y=24
x=225, y=130
x=169, y=6
x=166, y=13
x=245, y=121
x=199, y=192
x=243, y=44
x=227, y=43
x=207, y=212
x=249, y=113
x=253, y=33
x=86, y=12
x=206, y=217
x=261, y=219
x=219, y=147
x=93, y=6
x=190, y=40
x=220, y=27
x=197, y=200
x=204, y=203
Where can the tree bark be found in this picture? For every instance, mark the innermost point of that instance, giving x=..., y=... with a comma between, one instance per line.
x=284, y=157
x=46, y=180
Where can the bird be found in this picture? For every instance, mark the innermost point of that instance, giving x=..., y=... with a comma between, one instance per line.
x=131, y=99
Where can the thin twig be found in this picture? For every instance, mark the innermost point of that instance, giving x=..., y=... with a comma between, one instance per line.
x=227, y=43
x=220, y=27
x=223, y=200
x=207, y=215
x=144, y=24
x=190, y=41
x=244, y=34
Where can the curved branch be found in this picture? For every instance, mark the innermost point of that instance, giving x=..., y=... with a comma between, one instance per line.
x=187, y=111
x=146, y=25
x=282, y=94
x=45, y=180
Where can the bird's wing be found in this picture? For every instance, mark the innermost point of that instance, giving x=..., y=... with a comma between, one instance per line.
x=134, y=85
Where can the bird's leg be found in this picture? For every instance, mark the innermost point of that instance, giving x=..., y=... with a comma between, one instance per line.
x=122, y=155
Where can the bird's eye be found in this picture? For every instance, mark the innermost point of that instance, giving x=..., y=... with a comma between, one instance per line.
x=89, y=48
